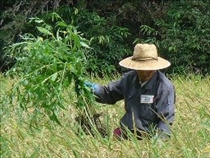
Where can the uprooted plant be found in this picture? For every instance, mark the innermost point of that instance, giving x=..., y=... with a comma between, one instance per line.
x=47, y=65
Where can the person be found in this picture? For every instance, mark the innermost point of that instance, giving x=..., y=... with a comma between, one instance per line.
x=149, y=96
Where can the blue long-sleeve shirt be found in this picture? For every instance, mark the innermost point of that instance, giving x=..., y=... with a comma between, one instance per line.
x=148, y=106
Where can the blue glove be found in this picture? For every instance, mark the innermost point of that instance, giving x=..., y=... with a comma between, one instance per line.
x=94, y=87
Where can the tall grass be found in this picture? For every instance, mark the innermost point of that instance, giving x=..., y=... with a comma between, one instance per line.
x=190, y=138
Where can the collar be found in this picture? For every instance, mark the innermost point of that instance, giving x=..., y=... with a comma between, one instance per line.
x=149, y=84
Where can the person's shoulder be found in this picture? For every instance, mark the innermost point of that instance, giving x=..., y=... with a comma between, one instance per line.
x=165, y=80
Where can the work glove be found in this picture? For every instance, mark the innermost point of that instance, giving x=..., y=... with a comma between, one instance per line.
x=93, y=86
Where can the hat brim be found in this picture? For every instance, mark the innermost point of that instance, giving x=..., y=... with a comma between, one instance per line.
x=160, y=63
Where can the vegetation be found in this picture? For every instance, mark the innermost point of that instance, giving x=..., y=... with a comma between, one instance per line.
x=184, y=34
x=190, y=131
x=179, y=28
x=46, y=111
x=47, y=66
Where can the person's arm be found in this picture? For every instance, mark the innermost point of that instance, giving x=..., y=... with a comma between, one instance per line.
x=111, y=93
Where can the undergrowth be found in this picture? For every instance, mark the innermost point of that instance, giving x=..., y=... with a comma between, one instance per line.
x=190, y=138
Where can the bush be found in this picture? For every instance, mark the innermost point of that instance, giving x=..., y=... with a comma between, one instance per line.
x=183, y=36
x=179, y=28
x=106, y=39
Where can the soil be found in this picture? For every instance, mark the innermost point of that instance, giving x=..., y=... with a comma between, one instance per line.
x=89, y=124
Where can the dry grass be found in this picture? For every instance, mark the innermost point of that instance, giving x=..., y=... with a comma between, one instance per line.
x=191, y=130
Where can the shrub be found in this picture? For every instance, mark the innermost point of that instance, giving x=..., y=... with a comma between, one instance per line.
x=183, y=36
x=105, y=36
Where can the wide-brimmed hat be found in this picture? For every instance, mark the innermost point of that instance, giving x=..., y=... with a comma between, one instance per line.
x=145, y=57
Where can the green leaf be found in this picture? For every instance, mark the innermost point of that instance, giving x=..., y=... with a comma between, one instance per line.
x=44, y=31
x=61, y=23
x=54, y=76
x=39, y=21
x=83, y=44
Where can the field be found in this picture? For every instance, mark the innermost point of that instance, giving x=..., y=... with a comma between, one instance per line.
x=21, y=137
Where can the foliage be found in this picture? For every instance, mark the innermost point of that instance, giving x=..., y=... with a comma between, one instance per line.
x=107, y=41
x=106, y=38
x=113, y=30
x=108, y=26
x=15, y=15
x=48, y=65
x=179, y=28
x=183, y=36
x=190, y=136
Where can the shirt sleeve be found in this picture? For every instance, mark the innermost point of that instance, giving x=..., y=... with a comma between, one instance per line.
x=111, y=93
x=166, y=110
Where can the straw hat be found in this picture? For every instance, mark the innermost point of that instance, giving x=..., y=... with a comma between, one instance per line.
x=145, y=57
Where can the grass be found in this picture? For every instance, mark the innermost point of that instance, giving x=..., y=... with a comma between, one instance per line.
x=191, y=129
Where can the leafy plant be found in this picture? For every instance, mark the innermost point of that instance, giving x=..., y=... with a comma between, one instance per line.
x=108, y=26
x=106, y=38
x=47, y=66
x=183, y=36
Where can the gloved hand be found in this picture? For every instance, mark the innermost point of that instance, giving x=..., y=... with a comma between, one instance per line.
x=94, y=87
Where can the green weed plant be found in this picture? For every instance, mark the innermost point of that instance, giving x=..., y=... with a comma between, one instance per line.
x=48, y=64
